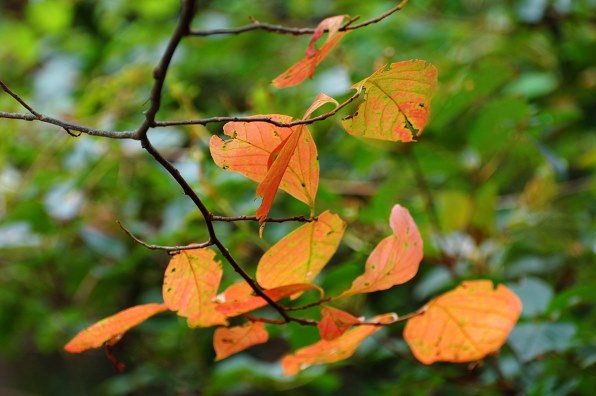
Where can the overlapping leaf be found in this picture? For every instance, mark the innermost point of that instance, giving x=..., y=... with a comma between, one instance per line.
x=313, y=57
x=190, y=284
x=396, y=102
x=335, y=322
x=230, y=340
x=112, y=328
x=240, y=298
x=335, y=350
x=395, y=259
x=300, y=256
x=250, y=148
x=465, y=324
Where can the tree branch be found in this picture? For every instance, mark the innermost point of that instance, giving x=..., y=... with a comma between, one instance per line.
x=269, y=120
x=303, y=219
x=256, y=25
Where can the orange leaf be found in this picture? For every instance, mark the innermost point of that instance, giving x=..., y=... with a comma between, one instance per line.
x=395, y=259
x=240, y=298
x=396, y=102
x=111, y=328
x=332, y=351
x=268, y=187
x=465, y=324
x=231, y=340
x=253, y=144
x=306, y=66
x=300, y=256
x=335, y=322
x=190, y=285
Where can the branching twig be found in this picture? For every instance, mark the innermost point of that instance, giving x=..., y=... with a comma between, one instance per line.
x=269, y=120
x=256, y=25
x=309, y=305
x=398, y=319
x=18, y=99
x=169, y=249
x=302, y=219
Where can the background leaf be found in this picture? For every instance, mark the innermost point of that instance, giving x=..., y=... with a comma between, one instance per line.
x=190, y=284
x=230, y=340
x=111, y=327
x=465, y=324
x=396, y=103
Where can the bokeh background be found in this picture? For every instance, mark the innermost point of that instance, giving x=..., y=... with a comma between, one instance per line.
x=507, y=162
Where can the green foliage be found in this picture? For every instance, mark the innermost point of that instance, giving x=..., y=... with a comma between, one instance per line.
x=508, y=159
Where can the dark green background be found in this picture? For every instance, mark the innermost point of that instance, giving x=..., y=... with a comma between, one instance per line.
x=508, y=157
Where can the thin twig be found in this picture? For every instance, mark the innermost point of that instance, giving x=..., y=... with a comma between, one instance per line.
x=169, y=249
x=269, y=120
x=160, y=72
x=309, y=305
x=18, y=99
x=303, y=219
x=256, y=25
x=398, y=319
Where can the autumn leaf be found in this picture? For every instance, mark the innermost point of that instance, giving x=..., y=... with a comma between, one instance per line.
x=335, y=350
x=240, y=298
x=395, y=259
x=396, y=102
x=231, y=340
x=301, y=255
x=190, y=284
x=250, y=150
x=335, y=322
x=465, y=324
x=269, y=185
x=313, y=57
x=112, y=328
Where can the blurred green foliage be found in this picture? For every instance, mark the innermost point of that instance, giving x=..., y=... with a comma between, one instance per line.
x=507, y=162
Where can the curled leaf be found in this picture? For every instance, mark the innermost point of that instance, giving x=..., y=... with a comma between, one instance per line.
x=190, y=284
x=465, y=324
x=301, y=255
x=335, y=350
x=111, y=329
x=396, y=103
x=254, y=146
x=230, y=340
x=335, y=322
x=395, y=260
x=306, y=66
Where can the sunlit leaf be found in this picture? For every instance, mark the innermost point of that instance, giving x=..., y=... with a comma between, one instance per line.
x=112, y=328
x=190, y=285
x=396, y=102
x=250, y=148
x=335, y=350
x=335, y=322
x=240, y=297
x=395, y=259
x=313, y=57
x=230, y=340
x=465, y=324
x=300, y=256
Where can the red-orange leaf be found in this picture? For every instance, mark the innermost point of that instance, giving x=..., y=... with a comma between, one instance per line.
x=300, y=256
x=396, y=102
x=240, y=298
x=306, y=66
x=335, y=322
x=332, y=351
x=190, y=285
x=251, y=147
x=465, y=324
x=231, y=340
x=395, y=259
x=111, y=328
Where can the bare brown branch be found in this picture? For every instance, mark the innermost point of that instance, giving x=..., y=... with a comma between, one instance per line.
x=169, y=249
